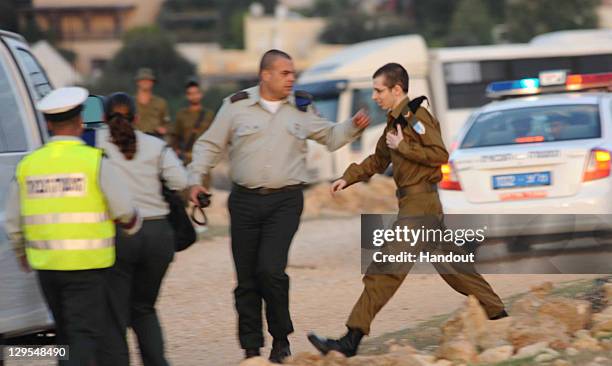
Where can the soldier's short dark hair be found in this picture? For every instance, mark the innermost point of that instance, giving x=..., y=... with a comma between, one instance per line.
x=269, y=57
x=394, y=74
x=192, y=83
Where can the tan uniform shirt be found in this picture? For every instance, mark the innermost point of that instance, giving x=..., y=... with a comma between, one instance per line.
x=152, y=115
x=185, y=131
x=265, y=149
x=418, y=157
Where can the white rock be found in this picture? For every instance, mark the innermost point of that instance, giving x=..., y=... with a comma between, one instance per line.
x=544, y=357
x=531, y=350
x=497, y=354
x=572, y=351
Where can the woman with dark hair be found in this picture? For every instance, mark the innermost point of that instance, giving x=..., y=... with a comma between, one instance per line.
x=142, y=260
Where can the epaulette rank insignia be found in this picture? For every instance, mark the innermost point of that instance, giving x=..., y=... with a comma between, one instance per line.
x=302, y=100
x=241, y=95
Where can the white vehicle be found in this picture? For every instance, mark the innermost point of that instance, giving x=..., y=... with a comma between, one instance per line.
x=453, y=78
x=536, y=154
x=22, y=129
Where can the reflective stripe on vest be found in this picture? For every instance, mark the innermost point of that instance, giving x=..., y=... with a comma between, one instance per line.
x=72, y=244
x=65, y=217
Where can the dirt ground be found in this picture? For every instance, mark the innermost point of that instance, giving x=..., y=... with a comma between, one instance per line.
x=196, y=303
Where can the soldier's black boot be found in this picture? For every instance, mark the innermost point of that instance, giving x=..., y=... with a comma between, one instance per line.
x=251, y=352
x=501, y=315
x=347, y=344
x=280, y=350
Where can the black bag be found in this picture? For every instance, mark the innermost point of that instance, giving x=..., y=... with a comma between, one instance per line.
x=184, y=233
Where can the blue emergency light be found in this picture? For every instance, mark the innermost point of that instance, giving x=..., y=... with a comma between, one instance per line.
x=549, y=81
x=513, y=87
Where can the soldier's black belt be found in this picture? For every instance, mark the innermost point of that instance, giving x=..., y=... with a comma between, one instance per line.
x=265, y=191
x=417, y=188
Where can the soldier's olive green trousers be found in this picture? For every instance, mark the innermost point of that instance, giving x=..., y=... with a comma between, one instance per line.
x=380, y=287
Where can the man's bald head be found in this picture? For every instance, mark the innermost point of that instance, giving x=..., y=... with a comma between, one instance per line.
x=267, y=60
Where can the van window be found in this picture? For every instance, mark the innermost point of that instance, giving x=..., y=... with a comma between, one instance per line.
x=362, y=99
x=35, y=74
x=12, y=131
x=466, y=82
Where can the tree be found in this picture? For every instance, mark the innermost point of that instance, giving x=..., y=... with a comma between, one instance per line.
x=527, y=18
x=147, y=47
x=471, y=24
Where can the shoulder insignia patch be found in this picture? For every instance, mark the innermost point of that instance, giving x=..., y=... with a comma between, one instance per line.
x=241, y=95
x=419, y=127
x=302, y=100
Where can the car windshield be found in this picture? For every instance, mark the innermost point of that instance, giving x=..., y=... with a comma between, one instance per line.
x=533, y=125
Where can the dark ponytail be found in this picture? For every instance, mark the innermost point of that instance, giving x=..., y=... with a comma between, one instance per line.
x=120, y=123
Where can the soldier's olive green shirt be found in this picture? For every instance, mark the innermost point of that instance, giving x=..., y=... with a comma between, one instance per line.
x=152, y=115
x=185, y=131
x=265, y=149
x=416, y=160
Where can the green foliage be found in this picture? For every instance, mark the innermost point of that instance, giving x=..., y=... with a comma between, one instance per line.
x=146, y=47
x=348, y=24
x=471, y=24
x=527, y=18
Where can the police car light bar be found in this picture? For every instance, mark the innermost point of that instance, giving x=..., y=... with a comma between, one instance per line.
x=549, y=81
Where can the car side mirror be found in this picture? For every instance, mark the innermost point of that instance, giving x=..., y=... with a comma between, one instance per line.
x=93, y=117
x=93, y=110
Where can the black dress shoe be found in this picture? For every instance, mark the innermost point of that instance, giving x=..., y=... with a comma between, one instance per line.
x=347, y=345
x=501, y=315
x=280, y=350
x=251, y=352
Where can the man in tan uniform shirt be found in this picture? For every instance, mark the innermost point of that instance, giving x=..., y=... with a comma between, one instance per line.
x=266, y=129
x=413, y=143
x=152, y=110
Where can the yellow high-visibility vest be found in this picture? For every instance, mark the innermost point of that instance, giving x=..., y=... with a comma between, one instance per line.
x=65, y=218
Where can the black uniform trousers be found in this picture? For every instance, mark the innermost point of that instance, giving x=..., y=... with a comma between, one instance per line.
x=76, y=300
x=262, y=227
x=133, y=285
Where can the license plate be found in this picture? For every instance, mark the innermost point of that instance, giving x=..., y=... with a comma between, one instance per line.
x=521, y=180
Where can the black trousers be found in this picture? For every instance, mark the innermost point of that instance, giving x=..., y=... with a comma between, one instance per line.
x=133, y=285
x=262, y=227
x=76, y=299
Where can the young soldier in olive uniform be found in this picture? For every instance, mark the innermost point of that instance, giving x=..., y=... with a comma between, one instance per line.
x=191, y=123
x=152, y=110
x=412, y=142
x=266, y=128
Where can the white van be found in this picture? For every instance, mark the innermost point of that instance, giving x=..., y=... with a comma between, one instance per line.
x=22, y=129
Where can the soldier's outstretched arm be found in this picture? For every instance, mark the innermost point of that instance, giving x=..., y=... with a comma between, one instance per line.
x=335, y=135
x=430, y=149
x=208, y=148
x=375, y=163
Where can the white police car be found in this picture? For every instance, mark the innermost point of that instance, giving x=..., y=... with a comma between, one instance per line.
x=544, y=153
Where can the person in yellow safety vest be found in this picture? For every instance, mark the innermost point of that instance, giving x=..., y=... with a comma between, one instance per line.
x=59, y=217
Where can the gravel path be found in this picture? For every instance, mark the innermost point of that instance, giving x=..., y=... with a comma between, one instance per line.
x=196, y=304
